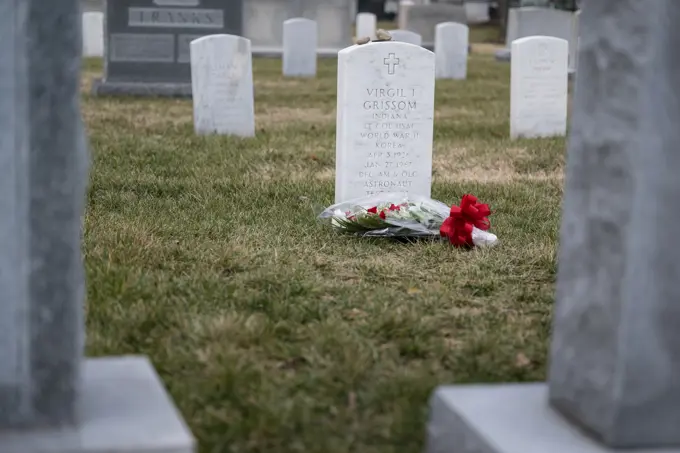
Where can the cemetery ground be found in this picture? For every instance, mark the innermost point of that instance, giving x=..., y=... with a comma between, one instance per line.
x=273, y=333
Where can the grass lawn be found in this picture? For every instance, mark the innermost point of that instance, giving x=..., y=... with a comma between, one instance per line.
x=272, y=333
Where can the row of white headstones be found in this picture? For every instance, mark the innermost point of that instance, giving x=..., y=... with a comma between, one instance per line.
x=385, y=104
x=451, y=47
x=300, y=38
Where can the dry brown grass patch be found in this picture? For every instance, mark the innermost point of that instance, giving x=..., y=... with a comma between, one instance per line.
x=480, y=164
x=273, y=116
x=486, y=48
x=140, y=115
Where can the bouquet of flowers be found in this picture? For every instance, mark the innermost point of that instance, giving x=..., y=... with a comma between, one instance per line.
x=398, y=214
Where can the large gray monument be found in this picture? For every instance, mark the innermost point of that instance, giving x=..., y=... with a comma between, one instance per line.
x=614, y=377
x=51, y=400
x=146, y=44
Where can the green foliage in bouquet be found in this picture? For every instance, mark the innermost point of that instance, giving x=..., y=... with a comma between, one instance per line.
x=410, y=218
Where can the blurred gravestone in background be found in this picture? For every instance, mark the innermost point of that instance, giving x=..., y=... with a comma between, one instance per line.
x=569, y=5
x=505, y=5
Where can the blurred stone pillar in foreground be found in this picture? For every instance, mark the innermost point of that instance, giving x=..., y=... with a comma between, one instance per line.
x=51, y=399
x=614, y=377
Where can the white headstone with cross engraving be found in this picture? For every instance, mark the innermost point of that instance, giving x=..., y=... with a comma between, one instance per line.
x=385, y=116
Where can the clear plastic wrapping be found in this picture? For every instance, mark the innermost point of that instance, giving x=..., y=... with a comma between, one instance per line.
x=399, y=214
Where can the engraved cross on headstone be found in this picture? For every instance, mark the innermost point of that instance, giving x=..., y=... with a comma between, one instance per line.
x=391, y=62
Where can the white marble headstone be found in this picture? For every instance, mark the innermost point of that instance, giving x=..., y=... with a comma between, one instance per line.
x=408, y=36
x=538, y=87
x=93, y=34
x=366, y=25
x=299, y=47
x=451, y=50
x=385, y=113
x=222, y=85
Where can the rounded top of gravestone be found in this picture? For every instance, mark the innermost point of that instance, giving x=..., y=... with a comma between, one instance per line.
x=382, y=50
x=238, y=43
x=545, y=54
x=451, y=24
x=295, y=20
x=549, y=40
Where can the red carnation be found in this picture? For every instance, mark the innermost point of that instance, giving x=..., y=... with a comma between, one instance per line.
x=458, y=226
